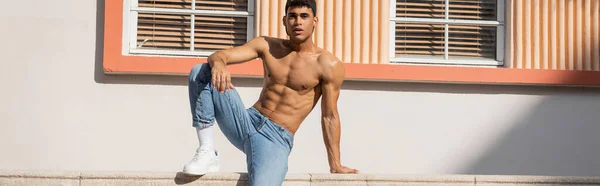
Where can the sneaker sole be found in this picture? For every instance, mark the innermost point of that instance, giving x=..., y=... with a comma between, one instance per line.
x=210, y=170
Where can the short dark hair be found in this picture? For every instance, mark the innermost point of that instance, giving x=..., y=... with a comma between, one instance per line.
x=294, y=3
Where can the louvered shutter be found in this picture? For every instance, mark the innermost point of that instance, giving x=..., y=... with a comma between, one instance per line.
x=429, y=39
x=419, y=39
x=473, y=9
x=172, y=31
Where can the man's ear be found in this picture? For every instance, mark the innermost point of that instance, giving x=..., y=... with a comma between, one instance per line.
x=316, y=21
x=283, y=21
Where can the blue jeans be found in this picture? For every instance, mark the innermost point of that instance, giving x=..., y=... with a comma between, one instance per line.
x=266, y=144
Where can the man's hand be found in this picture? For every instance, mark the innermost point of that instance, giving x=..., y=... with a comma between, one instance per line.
x=221, y=79
x=343, y=170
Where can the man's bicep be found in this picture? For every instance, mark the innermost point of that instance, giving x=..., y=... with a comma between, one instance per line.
x=331, y=87
x=246, y=52
x=330, y=95
x=332, y=79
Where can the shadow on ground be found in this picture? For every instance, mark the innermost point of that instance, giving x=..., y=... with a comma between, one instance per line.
x=184, y=179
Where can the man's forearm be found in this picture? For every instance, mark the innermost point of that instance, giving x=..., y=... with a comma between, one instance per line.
x=216, y=58
x=331, y=130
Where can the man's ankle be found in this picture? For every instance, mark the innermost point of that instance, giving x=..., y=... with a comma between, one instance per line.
x=207, y=147
x=205, y=137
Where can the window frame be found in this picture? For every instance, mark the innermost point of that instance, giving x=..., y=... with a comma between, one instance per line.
x=130, y=18
x=499, y=23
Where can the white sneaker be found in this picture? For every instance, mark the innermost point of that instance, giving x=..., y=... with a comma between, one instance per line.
x=204, y=161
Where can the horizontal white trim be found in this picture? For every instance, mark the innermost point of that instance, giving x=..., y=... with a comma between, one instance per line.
x=445, y=21
x=171, y=52
x=190, y=11
x=440, y=60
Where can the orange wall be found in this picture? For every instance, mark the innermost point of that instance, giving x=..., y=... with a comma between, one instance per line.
x=356, y=31
x=368, y=52
x=556, y=34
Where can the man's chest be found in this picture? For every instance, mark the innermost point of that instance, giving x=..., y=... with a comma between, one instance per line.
x=294, y=72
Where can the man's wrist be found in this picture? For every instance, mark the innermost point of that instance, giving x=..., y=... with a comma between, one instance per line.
x=218, y=64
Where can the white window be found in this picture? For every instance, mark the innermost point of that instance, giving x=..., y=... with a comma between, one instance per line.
x=186, y=27
x=461, y=32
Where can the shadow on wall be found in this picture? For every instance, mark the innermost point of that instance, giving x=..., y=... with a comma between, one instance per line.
x=99, y=57
x=558, y=137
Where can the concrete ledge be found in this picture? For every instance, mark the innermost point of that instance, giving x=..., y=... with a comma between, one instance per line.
x=40, y=174
x=10, y=178
x=40, y=178
x=536, y=180
x=455, y=180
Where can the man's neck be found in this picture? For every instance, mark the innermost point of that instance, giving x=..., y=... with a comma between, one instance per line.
x=302, y=47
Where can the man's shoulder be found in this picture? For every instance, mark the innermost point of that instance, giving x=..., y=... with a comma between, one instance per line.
x=258, y=41
x=327, y=59
x=332, y=68
x=267, y=40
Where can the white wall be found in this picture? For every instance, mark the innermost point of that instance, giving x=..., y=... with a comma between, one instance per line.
x=59, y=112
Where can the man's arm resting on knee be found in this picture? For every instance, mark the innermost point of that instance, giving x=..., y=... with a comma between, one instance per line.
x=239, y=54
x=221, y=79
x=332, y=79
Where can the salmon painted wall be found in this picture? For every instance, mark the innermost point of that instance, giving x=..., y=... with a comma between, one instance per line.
x=355, y=31
x=556, y=34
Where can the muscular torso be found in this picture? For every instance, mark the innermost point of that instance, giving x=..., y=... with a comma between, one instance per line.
x=291, y=85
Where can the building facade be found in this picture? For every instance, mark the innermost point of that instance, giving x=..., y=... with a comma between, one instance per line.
x=436, y=87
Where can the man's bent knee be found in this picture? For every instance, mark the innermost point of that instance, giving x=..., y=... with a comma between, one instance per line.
x=199, y=71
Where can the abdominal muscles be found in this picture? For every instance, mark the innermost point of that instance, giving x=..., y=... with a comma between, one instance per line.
x=286, y=106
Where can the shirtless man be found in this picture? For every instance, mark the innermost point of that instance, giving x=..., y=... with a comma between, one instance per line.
x=297, y=74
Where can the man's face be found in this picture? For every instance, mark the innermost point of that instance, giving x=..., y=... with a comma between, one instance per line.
x=300, y=23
